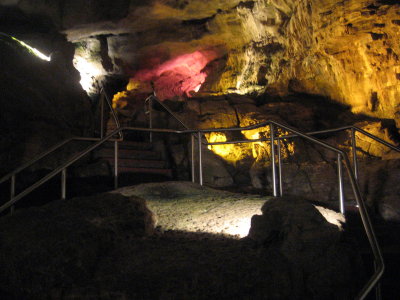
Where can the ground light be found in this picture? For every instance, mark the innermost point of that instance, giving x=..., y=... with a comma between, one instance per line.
x=219, y=214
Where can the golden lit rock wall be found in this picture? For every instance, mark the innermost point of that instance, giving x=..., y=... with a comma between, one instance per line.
x=347, y=50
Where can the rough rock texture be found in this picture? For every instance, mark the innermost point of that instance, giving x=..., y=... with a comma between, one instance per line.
x=41, y=103
x=345, y=50
x=303, y=162
x=348, y=52
x=377, y=181
x=303, y=235
x=48, y=249
x=186, y=206
x=99, y=248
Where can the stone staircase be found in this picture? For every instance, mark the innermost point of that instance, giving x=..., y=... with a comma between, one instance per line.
x=136, y=157
x=135, y=154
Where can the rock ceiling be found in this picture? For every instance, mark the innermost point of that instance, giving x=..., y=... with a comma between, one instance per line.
x=346, y=50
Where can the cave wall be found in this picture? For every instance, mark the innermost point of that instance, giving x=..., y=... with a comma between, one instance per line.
x=41, y=103
x=345, y=50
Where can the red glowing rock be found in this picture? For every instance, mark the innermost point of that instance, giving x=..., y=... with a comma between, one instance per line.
x=178, y=76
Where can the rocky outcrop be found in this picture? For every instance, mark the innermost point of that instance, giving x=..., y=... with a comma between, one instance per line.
x=302, y=234
x=347, y=53
x=343, y=50
x=58, y=246
x=102, y=247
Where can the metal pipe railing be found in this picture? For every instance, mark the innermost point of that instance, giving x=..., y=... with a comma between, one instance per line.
x=341, y=156
x=102, y=115
x=192, y=144
x=76, y=157
x=278, y=149
x=63, y=184
x=36, y=159
x=116, y=164
x=104, y=96
x=273, y=163
x=44, y=154
x=362, y=209
x=12, y=175
x=340, y=180
x=149, y=102
x=154, y=98
x=354, y=152
x=199, y=134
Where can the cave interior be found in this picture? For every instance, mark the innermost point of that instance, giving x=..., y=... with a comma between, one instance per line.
x=77, y=71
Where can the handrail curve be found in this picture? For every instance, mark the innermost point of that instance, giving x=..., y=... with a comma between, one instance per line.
x=153, y=97
x=362, y=208
x=380, y=266
x=73, y=160
x=44, y=154
x=113, y=113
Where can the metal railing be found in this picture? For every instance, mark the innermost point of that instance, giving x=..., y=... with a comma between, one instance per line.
x=104, y=98
x=12, y=176
x=149, y=102
x=342, y=156
x=353, y=146
x=276, y=192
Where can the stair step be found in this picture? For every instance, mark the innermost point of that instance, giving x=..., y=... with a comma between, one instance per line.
x=164, y=172
x=128, y=154
x=138, y=163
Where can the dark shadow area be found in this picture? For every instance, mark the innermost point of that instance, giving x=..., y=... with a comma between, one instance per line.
x=389, y=240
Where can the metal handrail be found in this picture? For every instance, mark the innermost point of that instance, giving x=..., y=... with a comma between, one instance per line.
x=12, y=175
x=153, y=97
x=381, y=141
x=113, y=113
x=341, y=156
x=149, y=100
x=380, y=266
x=72, y=160
x=44, y=154
x=255, y=126
x=379, y=263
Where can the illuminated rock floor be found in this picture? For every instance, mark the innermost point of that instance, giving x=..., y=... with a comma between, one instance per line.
x=104, y=247
x=192, y=208
x=188, y=207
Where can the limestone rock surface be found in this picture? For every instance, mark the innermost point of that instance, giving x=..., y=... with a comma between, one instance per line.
x=48, y=249
x=343, y=50
x=302, y=234
x=101, y=247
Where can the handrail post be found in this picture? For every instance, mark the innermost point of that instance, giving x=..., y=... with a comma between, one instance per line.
x=12, y=192
x=151, y=118
x=200, y=159
x=193, y=156
x=115, y=164
x=63, y=184
x=354, y=152
x=273, y=165
x=279, y=167
x=102, y=114
x=378, y=292
x=340, y=178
